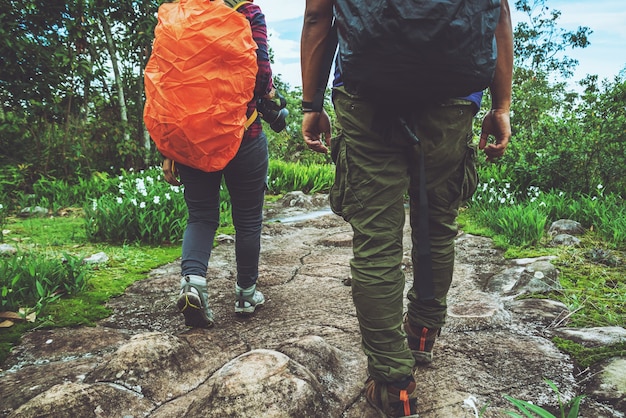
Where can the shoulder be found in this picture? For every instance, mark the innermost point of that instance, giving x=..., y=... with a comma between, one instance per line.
x=250, y=10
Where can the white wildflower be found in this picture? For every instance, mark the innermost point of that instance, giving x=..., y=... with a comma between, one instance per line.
x=119, y=200
x=156, y=200
x=142, y=205
x=470, y=402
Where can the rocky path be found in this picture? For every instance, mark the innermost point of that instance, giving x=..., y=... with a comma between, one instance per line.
x=300, y=355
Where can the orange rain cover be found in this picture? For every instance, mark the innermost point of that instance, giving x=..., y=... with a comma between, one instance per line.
x=198, y=81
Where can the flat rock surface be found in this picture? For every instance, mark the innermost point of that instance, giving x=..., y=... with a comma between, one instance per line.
x=492, y=346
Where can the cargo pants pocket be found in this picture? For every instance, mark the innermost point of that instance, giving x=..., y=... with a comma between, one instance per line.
x=341, y=199
x=470, y=174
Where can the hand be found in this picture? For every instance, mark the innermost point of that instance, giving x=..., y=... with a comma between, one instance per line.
x=316, y=131
x=170, y=173
x=498, y=124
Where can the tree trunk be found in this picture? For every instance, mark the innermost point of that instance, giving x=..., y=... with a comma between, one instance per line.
x=106, y=28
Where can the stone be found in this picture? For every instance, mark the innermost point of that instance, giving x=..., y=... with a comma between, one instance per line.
x=98, y=258
x=538, y=277
x=593, y=337
x=566, y=240
x=566, y=226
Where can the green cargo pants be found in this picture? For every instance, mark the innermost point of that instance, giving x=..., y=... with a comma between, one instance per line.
x=375, y=167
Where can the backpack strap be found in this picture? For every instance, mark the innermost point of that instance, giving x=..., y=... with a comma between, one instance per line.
x=235, y=4
x=251, y=119
x=424, y=285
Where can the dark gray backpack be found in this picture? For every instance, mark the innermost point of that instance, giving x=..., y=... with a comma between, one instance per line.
x=412, y=51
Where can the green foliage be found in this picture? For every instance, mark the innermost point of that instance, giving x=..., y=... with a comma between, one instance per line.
x=57, y=245
x=563, y=144
x=56, y=194
x=11, y=336
x=594, y=292
x=127, y=264
x=603, y=213
x=285, y=177
x=520, y=216
x=288, y=145
x=539, y=42
x=3, y=218
x=593, y=276
x=587, y=356
x=144, y=209
x=521, y=222
x=530, y=410
x=561, y=140
x=32, y=281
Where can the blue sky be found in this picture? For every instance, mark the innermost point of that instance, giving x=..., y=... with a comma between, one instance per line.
x=605, y=57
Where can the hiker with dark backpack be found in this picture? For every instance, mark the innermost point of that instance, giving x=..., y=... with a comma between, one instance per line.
x=209, y=69
x=408, y=81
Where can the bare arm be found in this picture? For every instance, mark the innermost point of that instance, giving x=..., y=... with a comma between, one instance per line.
x=318, y=18
x=497, y=122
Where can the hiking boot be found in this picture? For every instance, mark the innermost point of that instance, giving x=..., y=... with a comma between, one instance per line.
x=193, y=302
x=247, y=299
x=391, y=401
x=421, y=341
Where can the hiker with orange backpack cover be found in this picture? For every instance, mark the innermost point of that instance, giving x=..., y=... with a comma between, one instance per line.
x=245, y=176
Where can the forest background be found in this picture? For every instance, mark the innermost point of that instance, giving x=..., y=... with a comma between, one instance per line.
x=72, y=136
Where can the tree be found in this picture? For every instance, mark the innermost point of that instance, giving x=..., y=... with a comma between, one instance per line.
x=539, y=43
x=545, y=150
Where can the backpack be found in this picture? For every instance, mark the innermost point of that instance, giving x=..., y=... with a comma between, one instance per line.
x=409, y=51
x=198, y=82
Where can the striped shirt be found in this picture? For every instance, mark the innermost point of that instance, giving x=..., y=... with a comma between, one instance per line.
x=264, y=82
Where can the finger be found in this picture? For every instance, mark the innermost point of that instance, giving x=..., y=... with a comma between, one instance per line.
x=316, y=145
x=482, y=143
x=494, y=151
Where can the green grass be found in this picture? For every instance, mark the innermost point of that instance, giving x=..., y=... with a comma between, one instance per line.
x=593, y=275
x=47, y=237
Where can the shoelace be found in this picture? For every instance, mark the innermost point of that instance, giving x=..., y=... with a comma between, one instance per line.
x=404, y=398
x=423, y=339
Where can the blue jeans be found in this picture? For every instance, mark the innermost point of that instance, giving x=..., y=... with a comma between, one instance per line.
x=245, y=178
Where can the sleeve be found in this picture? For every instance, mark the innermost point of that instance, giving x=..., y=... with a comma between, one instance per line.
x=255, y=16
